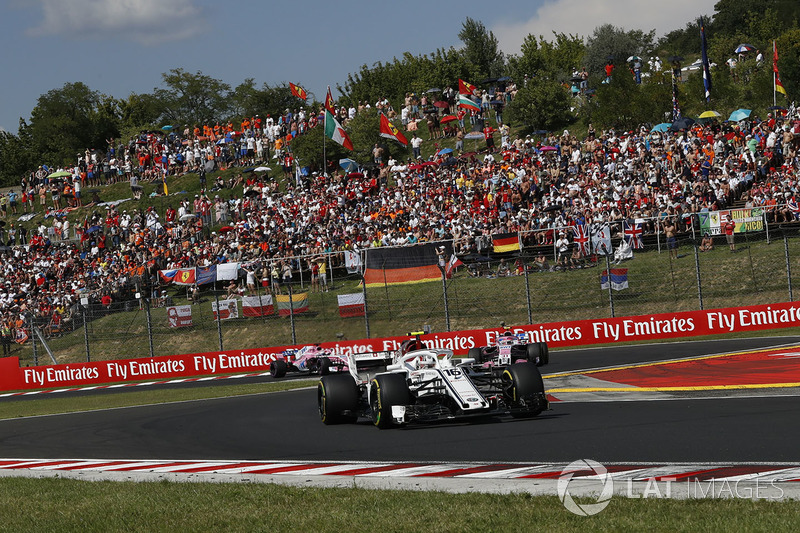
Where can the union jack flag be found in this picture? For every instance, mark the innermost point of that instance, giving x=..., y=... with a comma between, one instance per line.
x=632, y=233
x=793, y=206
x=581, y=238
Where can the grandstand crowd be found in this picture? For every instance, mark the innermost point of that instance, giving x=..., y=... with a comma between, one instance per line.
x=276, y=222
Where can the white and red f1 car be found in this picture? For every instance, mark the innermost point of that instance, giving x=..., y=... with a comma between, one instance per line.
x=421, y=384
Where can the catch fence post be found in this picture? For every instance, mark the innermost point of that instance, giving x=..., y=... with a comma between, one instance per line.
x=697, y=274
x=610, y=289
x=444, y=293
x=149, y=325
x=788, y=265
x=85, y=333
x=528, y=292
x=219, y=319
x=366, y=307
x=291, y=314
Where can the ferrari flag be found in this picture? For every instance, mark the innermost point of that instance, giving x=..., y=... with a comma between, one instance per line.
x=335, y=132
x=390, y=266
x=298, y=91
x=329, y=102
x=390, y=131
x=505, y=242
x=185, y=276
x=465, y=88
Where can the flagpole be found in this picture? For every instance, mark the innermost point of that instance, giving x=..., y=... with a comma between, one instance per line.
x=324, y=154
x=774, y=77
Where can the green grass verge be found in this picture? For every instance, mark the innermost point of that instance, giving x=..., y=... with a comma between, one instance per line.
x=48, y=405
x=70, y=505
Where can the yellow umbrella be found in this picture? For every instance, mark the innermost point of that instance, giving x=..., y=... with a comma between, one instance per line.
x=709, y=114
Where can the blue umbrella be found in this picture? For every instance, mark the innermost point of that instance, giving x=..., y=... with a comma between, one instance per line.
x=445, y=151
x=739, y=114
x=348, y=165
x=166, y=128
x=664, y=126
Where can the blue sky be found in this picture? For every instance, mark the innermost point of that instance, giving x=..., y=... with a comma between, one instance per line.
x=123, y=46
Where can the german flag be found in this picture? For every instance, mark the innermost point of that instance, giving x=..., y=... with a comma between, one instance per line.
x=411, y=264
x=505, y=242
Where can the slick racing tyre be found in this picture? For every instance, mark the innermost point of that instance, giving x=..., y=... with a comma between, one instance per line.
x=337, y=399
x=544, y=353
x=475, y=353
x=523, y=389
x=537, y=353
x=324, y=366
x=277, y=368
x=385, y=391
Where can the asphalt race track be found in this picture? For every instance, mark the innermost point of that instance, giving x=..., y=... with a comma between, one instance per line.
x=754, y=428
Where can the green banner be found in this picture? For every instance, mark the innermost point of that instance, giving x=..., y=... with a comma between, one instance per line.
x=747, y=219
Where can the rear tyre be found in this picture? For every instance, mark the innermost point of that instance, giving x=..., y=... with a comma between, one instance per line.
x=324, y=366
x=337, y=399
x=544, y=353
x=523, y=389
x=387, y=390
x=475, y=353
x=277, y=368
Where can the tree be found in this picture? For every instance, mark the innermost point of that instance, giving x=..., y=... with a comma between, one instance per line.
x=611, y=43
x=69, y=120
x=541, y=105
x=16, y=158
x=481, y=49
x=193, y=98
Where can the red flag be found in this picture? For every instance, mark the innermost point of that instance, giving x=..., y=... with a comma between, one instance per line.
x=454, y=263
x=184, y=276
x=298, y=91
x=329, y=102
x=390, y=131
x=465, y=88
x=778, y=82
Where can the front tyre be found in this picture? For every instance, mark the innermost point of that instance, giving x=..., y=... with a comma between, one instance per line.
x=277, y=368
x=523, y=390
x=385, y=391
x=337, y=399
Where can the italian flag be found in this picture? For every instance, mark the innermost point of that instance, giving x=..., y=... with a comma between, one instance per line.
x=467, y=103
x=335, y=131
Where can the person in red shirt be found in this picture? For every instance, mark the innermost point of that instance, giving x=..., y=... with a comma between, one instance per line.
x=730, y=227
x=488, y=134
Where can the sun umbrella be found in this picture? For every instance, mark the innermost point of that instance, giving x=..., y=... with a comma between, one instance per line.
x=744, y=48
x=548, y=149
x=355, y=175
x=447, y=118
x=739, y=114
x=348, y=165
x=776, y=108
x=252, y=193
x=187, y=216
x=709, y=114
x=489, y=80
x=250, y=169
x=225, y=229
x=553, y=207
x=166, y=128
x=444, y=151
x=664, y=126
x=496, y=102
x=634, y=58
x=503, y=78
x=474, y=135
x=433, y=90
x=682, y=123
x=261, y=169
x=60, y=174
x=442, y=104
